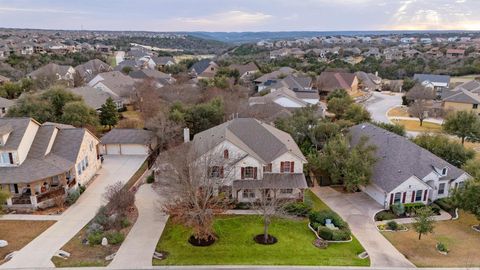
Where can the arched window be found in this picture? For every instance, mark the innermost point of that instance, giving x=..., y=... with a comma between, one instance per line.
x=225, y=154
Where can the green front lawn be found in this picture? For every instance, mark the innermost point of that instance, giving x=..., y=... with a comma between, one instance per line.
x=235, y=245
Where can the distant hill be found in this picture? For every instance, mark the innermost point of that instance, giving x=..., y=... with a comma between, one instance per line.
x=248, y=37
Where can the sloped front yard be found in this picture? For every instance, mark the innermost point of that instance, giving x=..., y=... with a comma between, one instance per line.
x=235, y=244
x=457, y=235
x=18, y=233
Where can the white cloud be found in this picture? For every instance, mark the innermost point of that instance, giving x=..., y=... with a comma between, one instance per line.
x=37, y=10
x=234, y=20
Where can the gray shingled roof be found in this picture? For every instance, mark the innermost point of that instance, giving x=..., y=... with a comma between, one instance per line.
x=432, y=78
x=39, y=164
x=93, y=97
x=128, y=136
x=273, y=180
x=201, y=65
x=462, y=96
x=18, y=125
x=258, y=139
x=399, y=158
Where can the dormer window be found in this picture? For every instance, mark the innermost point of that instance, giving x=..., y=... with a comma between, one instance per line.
x=444, y=171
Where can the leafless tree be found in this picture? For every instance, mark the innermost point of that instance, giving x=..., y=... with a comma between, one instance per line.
x=194, y=183
x=119, y=199
x=167, y=131
x=269, y=205
x=420, y=110
x=419, y=92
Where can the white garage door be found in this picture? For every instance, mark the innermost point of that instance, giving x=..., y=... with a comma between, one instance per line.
x=112, y=149
x=134, y=149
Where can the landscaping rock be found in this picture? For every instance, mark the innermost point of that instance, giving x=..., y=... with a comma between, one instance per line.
x=160, y=255
x=104, y=241
x=110, y=257
x=320, y=243
x=85, y=242
x=363, y=255
x=9, y=256
x=3, y=243
x=62, y=254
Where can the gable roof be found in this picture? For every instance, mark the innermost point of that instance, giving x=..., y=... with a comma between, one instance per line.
x=200, y=66
x=262, y=141
x=50, y=69
x=398, y=157
x=283, y=71
x=461, y=96
x=39, y=164
x=128, y=136
x=91, y=68
x=93, y=97
x=119, y=83
x=242, y=69
x=329, y=81
x=445, y=79
x=472, y=86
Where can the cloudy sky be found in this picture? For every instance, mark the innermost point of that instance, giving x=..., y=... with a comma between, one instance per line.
x=244, y=15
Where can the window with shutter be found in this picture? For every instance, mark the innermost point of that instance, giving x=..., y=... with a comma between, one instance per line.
x=292, y=166
x=404, y=197
x=242, y=173
x=425, y=195
x=255, y=173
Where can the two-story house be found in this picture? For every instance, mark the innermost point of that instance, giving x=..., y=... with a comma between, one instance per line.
x=405, y=172
x=259, y=157
x=41, y=162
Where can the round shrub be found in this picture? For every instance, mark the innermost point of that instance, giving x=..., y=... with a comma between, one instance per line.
x=340, y=235
x=322, y=216
x=115, y=238
x=95, y=238
x=398, y=209
x=384, y=215
x=72, y=197
x=392, y=225
x=300, y=209
x=325, y=233
x=150, y=179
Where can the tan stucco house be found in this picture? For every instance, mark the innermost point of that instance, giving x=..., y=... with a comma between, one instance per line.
x=41, y=162
x=465, y=97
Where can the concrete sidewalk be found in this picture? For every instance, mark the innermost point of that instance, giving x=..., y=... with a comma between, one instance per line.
x=442, y=217
x=37, y=254
x=358, y=209
x=30, y=217
x=137, y=249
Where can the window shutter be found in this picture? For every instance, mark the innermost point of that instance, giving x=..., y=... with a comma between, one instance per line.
x=413, y=196
x=292, y=166
x=221, y=172
x=243, y=173
x=391, y=199
x=425, y=195
x=281, y=166
x=255, y=173
x=404, y=197
x=10, y=156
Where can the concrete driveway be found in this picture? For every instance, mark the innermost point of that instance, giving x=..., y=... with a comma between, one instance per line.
x=37, y=254
x=379, y=104
x=137, y=249
x=358, y=210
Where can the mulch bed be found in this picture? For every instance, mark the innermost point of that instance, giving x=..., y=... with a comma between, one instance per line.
x=260, y=239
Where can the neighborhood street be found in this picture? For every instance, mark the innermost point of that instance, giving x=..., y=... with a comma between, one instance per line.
x=358, y=210
x=37, y=254
x=379, y=104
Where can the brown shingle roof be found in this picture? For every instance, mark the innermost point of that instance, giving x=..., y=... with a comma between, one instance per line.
x=329, y=81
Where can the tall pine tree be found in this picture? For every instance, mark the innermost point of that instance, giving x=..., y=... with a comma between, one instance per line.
x=109, y=114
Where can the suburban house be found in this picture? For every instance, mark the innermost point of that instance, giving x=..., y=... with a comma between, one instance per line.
x=437, y=82
x=464, y=97
x=455, y=53
x=268, y=79
x=121, y=141
x=204, y=69
x=5, y=104
x=90, y=69
x=159, y=77
x=327, y=82
x=405, y=172
x=53, y=71
x=287, y=98
x=246, y=70
x=95, y=97
x=41, y=162
x=257, y=156
x=163, y=61
x=116, y=84
x=369, y=81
